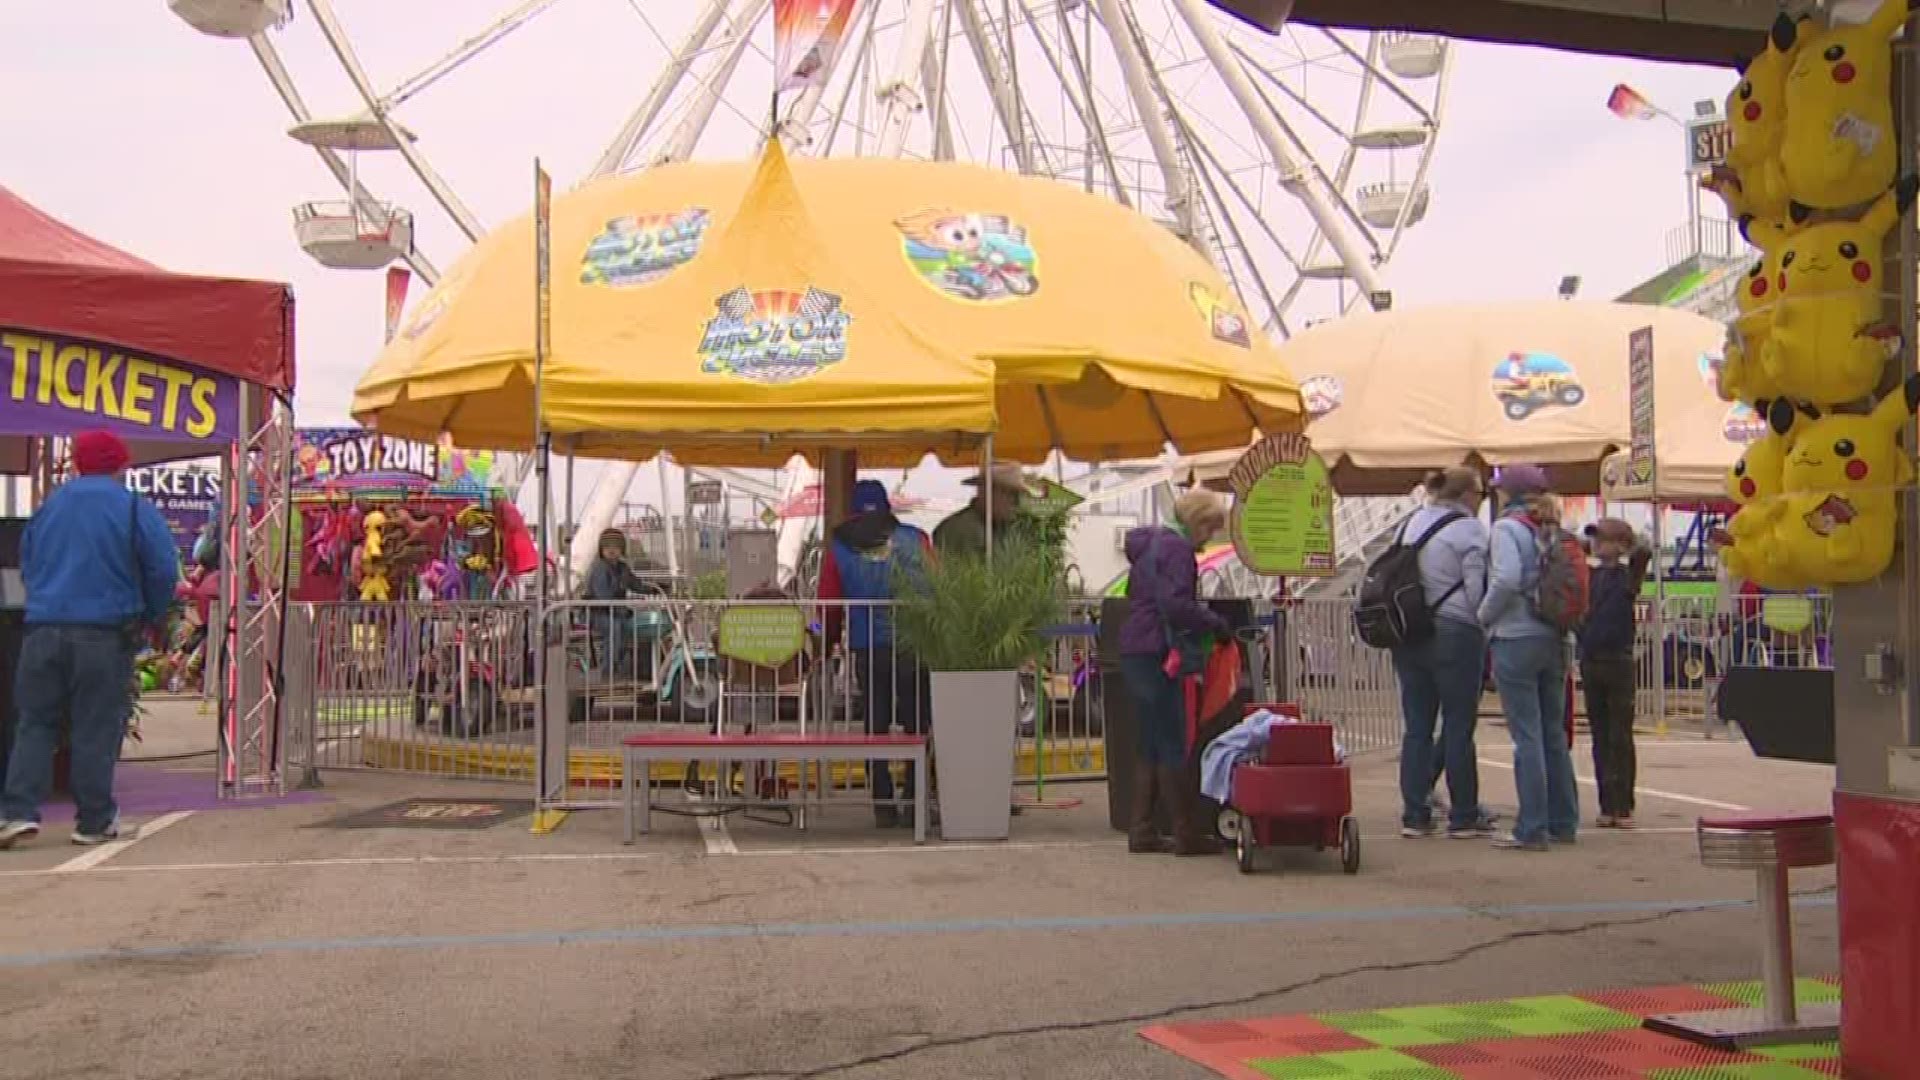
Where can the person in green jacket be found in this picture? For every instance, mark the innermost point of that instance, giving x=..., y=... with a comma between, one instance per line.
x=965, y=531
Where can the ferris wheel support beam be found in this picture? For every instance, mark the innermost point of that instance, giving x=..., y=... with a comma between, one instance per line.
x=643, y=116
x=1006, y=96
x=465, y=51
x=694, y=124
x=350, y=62
x=1147, y=104
x=902, y=93
x=1310, y=172
x=363, y=200
x=1080, y=93
x=1304, y=183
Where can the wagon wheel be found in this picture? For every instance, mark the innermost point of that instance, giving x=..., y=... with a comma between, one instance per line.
x=1349, y=845
x=1243, y=843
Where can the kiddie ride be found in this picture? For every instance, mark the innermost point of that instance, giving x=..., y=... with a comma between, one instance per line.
x=677, y=668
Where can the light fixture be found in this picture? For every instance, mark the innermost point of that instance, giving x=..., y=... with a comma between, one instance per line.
x=1569, y=285
x=1381, y=299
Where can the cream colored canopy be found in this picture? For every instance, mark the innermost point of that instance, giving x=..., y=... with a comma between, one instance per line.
x=1394, y=394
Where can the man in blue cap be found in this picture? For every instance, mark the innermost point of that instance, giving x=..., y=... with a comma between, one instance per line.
x=861, y=557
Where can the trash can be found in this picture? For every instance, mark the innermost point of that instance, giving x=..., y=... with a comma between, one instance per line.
x=1122, y=734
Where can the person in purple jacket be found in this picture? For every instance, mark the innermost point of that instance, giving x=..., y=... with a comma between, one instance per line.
x=1164, y=615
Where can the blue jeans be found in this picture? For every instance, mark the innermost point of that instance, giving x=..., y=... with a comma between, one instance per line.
x=78, y=678
x=898, y=690
x=1440, y=681
x=1159, y=709
x=1531, y=674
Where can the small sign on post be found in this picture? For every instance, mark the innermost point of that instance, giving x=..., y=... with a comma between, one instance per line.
x=1283, y=509
x=1641, y=464
x=1707, y=143
x=1051, y=497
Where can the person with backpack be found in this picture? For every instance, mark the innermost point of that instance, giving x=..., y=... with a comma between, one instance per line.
x=1607, y=664
x=1536, y=596
x=1441, y=553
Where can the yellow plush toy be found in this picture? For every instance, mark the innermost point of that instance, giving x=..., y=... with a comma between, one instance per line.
x=1843, y=478
x=1754, y=483
x=1838, y=147
x=1823, y=344
x=1752, y=180
x=1741, y=376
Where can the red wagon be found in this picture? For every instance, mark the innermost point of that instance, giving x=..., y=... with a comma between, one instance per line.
x=1298, y=795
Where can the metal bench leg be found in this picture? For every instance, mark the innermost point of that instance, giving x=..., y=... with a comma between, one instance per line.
x=920, y=784
x=646, y=794
x=1776, y=945
x=626, y=798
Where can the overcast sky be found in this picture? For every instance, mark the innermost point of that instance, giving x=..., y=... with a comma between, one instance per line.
x=122, y=121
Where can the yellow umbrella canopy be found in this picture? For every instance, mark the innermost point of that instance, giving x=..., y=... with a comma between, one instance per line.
x=742, y=312
x=1397, y=393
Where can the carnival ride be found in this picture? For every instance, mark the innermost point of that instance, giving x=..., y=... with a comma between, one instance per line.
x=1296, y=162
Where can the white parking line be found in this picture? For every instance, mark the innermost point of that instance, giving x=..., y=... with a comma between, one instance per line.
x=95, y=856
x=713, y=832
x=1655, y=793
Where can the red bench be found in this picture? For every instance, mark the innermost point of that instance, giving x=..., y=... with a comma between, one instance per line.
x=640, y=751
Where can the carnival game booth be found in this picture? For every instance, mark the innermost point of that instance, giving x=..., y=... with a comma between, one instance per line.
x=739, y=314
x=182, y=367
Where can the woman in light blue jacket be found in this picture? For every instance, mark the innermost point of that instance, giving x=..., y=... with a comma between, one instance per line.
x=1529, y=665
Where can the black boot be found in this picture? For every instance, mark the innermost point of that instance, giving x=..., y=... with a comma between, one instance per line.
x=1190, y=836
x=1143, y=837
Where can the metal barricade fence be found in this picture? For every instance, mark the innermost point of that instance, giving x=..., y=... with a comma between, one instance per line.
x=1336, y=677
x=1698, y=638
x=440, y=688
x=660, y=664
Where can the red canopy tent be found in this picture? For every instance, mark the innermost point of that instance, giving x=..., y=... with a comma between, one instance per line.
x=65, y=288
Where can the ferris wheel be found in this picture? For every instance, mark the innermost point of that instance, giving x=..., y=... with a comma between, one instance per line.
x=1296, y=161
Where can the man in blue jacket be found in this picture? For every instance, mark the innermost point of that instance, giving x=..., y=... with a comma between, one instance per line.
x=863, y=554
x=99, y=565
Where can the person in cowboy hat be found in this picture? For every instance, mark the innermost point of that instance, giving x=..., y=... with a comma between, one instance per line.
x=99, y=566
x=965, y=531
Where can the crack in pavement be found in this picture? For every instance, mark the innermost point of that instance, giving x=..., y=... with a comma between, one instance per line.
x=1069, y=1026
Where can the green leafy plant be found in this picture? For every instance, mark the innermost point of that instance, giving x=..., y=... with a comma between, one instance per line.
x=965, y=612
x=711, y=585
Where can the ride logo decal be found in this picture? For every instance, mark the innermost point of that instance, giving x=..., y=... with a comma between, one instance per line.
x=1526, y=383
x=1322, y=394
x=640, y=249
x=775, y=336
x=975, y=257
x=1223, y=316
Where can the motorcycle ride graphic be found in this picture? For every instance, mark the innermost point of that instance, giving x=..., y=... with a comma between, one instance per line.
x=970, y=256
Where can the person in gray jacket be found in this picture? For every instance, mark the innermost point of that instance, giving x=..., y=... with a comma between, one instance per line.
x=1440, y=676
x=1529, y=665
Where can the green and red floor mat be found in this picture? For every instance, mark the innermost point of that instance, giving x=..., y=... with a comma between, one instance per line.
x=1593, y=1036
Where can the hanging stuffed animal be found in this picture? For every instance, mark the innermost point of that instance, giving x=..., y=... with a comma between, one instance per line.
x=1827, y=341
x=1741, y=376
x=1754, y=483
x=1843, y=479
x=1838, y=149
x=374, y=585
x=1752, y=182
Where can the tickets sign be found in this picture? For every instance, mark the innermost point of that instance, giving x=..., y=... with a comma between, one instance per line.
x=184, y=495
x=55, y=385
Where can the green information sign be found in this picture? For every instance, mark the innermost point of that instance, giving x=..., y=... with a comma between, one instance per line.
x=766, y=636
x=1283, y=509
x=1049, y=497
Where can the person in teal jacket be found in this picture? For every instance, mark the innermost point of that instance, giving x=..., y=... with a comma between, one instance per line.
x=100, y=570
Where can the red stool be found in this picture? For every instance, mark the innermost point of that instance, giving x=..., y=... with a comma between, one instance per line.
x=1769, y=846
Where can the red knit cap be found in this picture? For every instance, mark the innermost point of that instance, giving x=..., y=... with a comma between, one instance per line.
x=97, y=453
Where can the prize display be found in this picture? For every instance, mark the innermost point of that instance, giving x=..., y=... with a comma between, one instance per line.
x=1812, y=177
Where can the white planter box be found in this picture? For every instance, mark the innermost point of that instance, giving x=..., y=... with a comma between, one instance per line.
x=973, y=730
